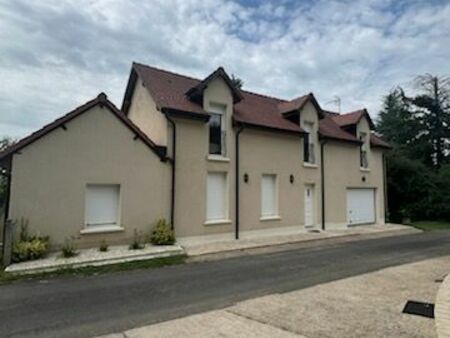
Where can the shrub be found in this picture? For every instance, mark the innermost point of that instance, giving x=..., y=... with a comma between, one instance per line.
x=162, y=234
x=29, y=247
x=103, y=246
x=69, y=249
x=29, y=250
x=137, y=242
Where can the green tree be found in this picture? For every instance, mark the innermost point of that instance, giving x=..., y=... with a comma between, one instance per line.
x=433, y=112
x=237, y=82
x=410, y=184
x=440, y=208
x=5, y=142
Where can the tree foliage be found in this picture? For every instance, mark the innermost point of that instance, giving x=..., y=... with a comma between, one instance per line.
x=237, y=82
x=433, y=111
x=418, y=168
x=4, y=144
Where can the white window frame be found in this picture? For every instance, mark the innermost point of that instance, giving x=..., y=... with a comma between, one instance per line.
x=220, y=109
x=308, y=126
x=223, y=219
x=274, y=215
x=364, y=136
x=114, y=225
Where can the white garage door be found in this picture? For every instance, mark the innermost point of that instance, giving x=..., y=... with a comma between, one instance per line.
x=360, y=206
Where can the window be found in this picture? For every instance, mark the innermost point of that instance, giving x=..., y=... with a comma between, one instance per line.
x=363, y=158
x=217, y=130
x=308, y=143
x=269, y=205
x=102, y=205
x=216, y=197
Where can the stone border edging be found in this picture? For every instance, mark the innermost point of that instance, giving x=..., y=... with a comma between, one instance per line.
x=176, y=251
x=442, y=309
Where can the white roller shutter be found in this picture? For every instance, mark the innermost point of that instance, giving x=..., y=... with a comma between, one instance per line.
x=360, y=206
x=268, y=196
x=102, y=204
x=216, y=196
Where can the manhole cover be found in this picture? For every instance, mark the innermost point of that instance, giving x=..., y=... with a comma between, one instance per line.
x=419, y=309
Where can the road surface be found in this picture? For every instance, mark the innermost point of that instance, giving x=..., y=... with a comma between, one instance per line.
x=95, y=305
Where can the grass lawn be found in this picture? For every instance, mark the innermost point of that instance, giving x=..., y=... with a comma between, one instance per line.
x=432, y=225
x=6, y=277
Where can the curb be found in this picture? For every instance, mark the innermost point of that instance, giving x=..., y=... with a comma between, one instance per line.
x=379, y=234
x=97, y=262
x=442, y=309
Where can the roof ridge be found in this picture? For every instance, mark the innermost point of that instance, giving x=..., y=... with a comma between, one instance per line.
x=197, y=79
x=102, y=100
x=166, y=71
x=353, y=112
x=264, y=95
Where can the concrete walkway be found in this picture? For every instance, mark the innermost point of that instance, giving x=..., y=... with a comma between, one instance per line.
x=368, y=305
x=93, y=257
x=222, y=243
x=442, y=308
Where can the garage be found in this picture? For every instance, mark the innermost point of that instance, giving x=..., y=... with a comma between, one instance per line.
x=360, y=206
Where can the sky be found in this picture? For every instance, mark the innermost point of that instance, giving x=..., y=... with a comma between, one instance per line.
x=55, y=55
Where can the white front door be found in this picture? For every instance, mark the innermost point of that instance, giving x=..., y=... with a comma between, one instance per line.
x=360, y=206
x=309, y=205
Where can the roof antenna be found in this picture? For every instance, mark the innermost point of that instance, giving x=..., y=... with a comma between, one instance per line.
x=337, y=101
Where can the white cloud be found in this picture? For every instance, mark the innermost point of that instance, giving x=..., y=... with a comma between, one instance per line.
x=55, y=55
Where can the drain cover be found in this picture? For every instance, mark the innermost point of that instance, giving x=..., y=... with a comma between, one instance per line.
x=419, y=309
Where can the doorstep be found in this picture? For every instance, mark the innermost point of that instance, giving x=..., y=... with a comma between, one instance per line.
x=222, y=243
x=93, y=257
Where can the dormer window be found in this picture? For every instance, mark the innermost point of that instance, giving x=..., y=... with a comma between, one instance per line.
x=308, y=143
x=217, y=130
x=363, y=154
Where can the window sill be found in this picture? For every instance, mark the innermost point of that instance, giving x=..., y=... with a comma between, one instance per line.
x=218, y=158
x=366, y=170
x=101, y=229
x=270, y=218
x=217, y=222
x=310, y=165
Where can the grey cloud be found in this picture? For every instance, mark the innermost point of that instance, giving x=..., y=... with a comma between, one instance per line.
x=56, y=55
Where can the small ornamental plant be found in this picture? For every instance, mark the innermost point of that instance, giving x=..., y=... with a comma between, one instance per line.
x=69, y=249
x=29, y=247
x=137, y=241
x=103, y=246
x=162, y=234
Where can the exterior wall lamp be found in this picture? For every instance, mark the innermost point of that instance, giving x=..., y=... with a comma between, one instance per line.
x=246, y=178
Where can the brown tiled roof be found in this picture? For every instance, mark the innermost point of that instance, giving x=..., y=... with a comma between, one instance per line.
x=295, y=104
x=169, y=91
x=347, y=119
x=262, y=110
x=376, y=141
x=102, y=100
x=328, y=128
x=354, y=117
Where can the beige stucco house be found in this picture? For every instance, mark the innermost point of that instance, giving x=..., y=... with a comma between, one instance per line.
x=203, y=154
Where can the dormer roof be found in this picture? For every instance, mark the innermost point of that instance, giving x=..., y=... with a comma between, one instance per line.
x=353, y=118
x=196, y=92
